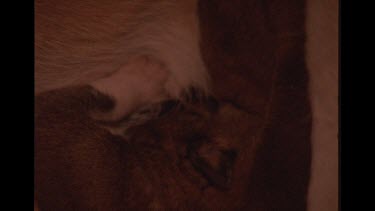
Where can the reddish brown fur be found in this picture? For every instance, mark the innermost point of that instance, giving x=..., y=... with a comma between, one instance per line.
x=255, y=53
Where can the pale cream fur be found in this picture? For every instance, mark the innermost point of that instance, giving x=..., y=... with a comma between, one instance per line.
x=68, y=53
x=81, y=42
x=136, y=51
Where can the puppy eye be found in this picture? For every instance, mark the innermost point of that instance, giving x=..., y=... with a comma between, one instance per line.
x=211, y=162
x=218, y=174
x=212, y=104
x=167, y=106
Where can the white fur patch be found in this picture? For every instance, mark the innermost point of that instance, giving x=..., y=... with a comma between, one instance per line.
x=166, y=30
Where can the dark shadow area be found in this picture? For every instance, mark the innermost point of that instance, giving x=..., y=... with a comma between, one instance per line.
x=246, y=148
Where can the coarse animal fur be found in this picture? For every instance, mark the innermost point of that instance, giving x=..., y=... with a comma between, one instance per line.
x=255, y=53
x=137, y=52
